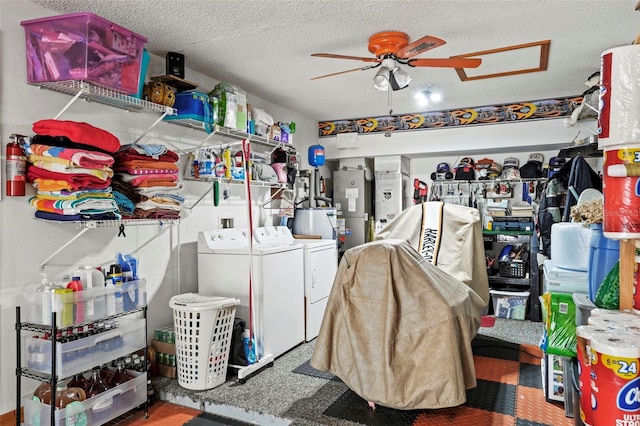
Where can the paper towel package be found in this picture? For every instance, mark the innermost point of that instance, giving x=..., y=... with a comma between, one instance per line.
x=619, y=116
x=621, y=209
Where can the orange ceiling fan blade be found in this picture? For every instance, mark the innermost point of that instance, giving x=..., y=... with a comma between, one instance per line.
x=419, y=46
x=446, y=62
x=345, y=72
x=356, y=58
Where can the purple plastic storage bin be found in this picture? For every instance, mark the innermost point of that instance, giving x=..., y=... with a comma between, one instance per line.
x=83, y=46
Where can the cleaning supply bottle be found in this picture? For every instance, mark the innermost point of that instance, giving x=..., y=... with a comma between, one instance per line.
x=78, y=307
x=249, y=346
x=226, y=158
x=68, y=398
x=95, y=305
x=43, y=393
x=46, y=300
x=115, y=276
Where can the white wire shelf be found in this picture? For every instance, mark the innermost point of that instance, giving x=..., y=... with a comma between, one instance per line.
x=213, y=179
x=98, y=94
x=92, y=224
x=227, y=132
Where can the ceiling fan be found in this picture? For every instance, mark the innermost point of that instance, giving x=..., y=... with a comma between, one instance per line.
x=392, y=48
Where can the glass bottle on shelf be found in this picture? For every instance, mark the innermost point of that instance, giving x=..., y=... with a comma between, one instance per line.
x=120, y=376
x=96, y=385
x=105, y=373
x=79, y=381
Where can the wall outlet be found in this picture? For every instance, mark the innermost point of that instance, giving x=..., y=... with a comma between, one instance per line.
x=225, y=222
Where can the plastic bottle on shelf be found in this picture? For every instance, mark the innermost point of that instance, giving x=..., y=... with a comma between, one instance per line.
x=69, y=337
x=226, y=157
x=33, y=349
x=115, y=275
x=92, y=278
x=46, y=300
x=43, y=393
x=78, y=307
x=68, y=398
x=80, y=334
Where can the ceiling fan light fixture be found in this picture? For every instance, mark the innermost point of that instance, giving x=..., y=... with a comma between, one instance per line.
x=399, y=79
x=381, y=79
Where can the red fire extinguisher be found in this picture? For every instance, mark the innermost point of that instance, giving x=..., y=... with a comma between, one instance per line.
x=15, y=167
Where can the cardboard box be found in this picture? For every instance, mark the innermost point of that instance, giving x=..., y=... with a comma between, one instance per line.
x=166, y=371
x=167, y=348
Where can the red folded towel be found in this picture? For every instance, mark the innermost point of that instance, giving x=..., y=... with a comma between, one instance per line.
x=83, y=133
x=76, y=181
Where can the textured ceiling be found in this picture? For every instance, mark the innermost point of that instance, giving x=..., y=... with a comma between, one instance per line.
x=264, y=46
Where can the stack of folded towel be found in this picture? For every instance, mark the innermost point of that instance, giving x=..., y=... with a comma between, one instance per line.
x=70, y=167
x=146, y=182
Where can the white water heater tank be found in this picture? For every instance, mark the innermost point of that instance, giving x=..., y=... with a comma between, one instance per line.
x=315, y=221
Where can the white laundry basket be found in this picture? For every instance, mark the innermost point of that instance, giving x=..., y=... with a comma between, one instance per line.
x=203, y=327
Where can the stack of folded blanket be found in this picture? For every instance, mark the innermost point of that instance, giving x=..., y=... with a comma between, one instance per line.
x=70, y=167
x=146, y=182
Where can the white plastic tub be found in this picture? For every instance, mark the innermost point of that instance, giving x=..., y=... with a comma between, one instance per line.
x=83, y=354
x=97, y=410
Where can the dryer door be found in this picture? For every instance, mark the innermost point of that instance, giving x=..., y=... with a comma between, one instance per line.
x=323, y=266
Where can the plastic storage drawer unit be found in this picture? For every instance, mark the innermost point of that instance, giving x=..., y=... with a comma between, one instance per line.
x=82, y=354
x=93, y=411
x=79, y=307
x=510, y=304
x=83, y=46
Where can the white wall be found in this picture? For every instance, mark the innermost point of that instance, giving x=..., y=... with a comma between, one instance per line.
x=25, y=242
x=168, y=262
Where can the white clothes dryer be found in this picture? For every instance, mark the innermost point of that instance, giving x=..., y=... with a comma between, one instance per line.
x=224, y=262
x=320, y=269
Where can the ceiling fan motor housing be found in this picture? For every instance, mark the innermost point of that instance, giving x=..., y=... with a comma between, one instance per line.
x=387, y=42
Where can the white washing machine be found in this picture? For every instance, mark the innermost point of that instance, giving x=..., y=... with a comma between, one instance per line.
x=320, y=269
x=278, y=274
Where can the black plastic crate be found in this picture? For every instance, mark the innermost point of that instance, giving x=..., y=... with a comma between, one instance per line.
x=513, y=269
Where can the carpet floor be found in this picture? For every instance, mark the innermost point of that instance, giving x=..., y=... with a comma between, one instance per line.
x=509, y=392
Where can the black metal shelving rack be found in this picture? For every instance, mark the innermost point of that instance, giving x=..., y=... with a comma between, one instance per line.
x=532, y=282
x=52, y=378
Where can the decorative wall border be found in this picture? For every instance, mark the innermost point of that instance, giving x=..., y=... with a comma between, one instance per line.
x=491, y=114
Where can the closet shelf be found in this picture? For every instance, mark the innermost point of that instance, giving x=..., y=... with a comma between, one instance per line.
x=91, y=224
x=104, y=96
x=237, y=182
x=40, y=328
x=228, y=132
